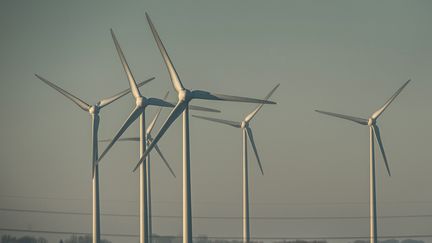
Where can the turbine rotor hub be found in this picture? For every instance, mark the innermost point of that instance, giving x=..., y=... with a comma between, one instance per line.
x=183, y=95
x=244, y=124
x=371, y=122
x=140, y=101
x=94, y=109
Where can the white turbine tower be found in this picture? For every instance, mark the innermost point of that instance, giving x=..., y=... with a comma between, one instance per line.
x=94, y=113
x=158, y=150
x=141, y=104
x=247, y=132
x=373, y=129
x=182, y=107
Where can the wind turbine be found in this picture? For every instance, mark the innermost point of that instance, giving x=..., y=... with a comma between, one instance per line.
x=148, y=140
x=94, y=113
x=141, y=104
x=247, y=132
x=182, y=107
x=373, y=129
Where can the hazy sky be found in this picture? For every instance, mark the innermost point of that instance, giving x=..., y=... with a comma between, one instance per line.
x=341, y=56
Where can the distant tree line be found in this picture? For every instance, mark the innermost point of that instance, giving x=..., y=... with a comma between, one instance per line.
x=301, y=241
x=31, y=239
x=23, y=239
x=173, y=239
x=391, y=241
x=81, y=239
x=198, y=239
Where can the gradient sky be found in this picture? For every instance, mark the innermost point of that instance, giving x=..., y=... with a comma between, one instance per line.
x=341, y=56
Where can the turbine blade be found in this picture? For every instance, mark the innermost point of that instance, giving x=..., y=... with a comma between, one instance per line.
x=378, y=137
x=200, y=108
x=159, y=102
x=95, y=128
x=253, y=113
x=250, y=134
x=153, y=122
x=175, y=113
x=377, y=113
x=230, y=123
x=68, y=95
x=117, y=96
x=163, y=158
x=120, y=139
x=175, y=79
x=163, y=103
x=351, y=118
x=125, y=65
x=201, y=94
x=132, y=117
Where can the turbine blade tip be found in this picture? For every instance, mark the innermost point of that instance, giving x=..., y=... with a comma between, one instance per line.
x=147, y=17
x=39, y=77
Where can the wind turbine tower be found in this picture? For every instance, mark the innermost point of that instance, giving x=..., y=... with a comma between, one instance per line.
x=182, y=107
x=93, y=110
x=374, y=131
x=247, y=132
